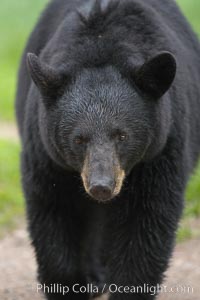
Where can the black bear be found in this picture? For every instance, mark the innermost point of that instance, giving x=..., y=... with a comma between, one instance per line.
x=108, y=108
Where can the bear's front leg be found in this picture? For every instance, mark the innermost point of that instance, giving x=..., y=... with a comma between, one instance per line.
x=142, y=234
x=56, y=243
x=56, y=229
x=138, y=264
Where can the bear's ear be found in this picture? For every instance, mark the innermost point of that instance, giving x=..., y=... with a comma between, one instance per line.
x=48, y=80
x=155, y=76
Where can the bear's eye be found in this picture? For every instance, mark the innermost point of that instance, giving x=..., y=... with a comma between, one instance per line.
x=80, y=140
x=122, y=137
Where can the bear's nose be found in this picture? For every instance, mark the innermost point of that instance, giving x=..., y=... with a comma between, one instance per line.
x=101, y=192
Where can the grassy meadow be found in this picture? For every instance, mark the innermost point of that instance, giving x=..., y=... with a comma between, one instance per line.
x=17, y=19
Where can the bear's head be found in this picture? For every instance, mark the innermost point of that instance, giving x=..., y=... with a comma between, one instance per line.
x=101, y=123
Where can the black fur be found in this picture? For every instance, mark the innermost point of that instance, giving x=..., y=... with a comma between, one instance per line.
x=116, y=82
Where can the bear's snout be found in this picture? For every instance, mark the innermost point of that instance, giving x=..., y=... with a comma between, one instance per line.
x=102, y=175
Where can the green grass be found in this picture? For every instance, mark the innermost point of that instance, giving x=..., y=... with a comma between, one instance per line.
x=193, y=195
x=191, y=9
x=184, y=233
x=192, y=208
x=16, y=21
x=11, y=200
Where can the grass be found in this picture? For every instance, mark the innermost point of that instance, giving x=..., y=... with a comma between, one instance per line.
x=193, y=195
x=17, y=19
x=191, y=9
x=192, y=208
x=16, y=22
x=11, y=200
